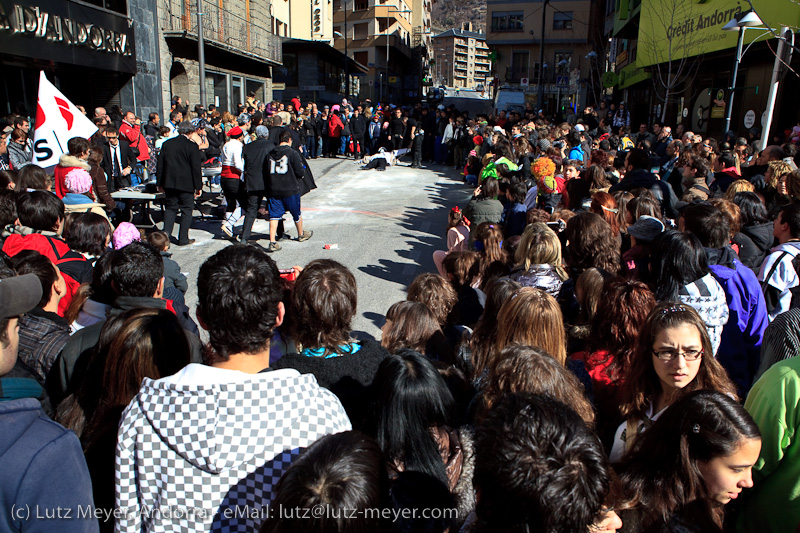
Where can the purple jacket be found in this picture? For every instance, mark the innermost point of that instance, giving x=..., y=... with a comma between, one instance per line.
x=740, y=347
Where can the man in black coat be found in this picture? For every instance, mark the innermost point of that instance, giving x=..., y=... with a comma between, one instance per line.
x=118, y=159
x=637, y=164
x=358, y=129
x=179, y=178
x=255, y=175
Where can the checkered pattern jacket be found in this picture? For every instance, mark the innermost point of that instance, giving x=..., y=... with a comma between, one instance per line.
x=207, y=457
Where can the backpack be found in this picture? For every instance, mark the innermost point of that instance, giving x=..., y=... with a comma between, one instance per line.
x=74, y=267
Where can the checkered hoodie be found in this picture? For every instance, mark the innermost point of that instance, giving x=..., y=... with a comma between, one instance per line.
x=204, y=449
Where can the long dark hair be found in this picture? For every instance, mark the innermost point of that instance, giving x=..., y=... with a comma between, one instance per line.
x=485, y=333
x=411, y=398
x=677, y=259
x=660, y=474
x=642, y=384
x=751, y=209
x=590, y=244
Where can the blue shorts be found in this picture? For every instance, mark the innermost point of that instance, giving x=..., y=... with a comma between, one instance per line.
x=278, y=206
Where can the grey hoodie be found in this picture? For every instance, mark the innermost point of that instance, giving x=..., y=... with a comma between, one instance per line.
x=203, y=450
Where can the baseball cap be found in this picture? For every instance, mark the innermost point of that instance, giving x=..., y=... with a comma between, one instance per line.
x=579, y=127
x=440, y=107
x=19, y=294
x=243, y=119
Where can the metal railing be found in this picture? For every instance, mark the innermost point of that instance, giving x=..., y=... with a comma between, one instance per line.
x=222, y=27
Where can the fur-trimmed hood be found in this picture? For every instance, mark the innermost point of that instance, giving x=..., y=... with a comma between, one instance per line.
x=68, y=161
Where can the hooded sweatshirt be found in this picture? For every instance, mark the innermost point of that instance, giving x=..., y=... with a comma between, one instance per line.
x=708, y=299
x=43, y=471
x=210, y=445
x=778, y=277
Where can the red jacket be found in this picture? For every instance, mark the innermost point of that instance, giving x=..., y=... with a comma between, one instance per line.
x=136, y=138
x=66, y=163
x=335, y=126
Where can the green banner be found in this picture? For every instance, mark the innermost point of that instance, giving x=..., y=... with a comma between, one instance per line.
x=675, y=29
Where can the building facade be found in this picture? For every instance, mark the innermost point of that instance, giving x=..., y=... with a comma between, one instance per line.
x=96, y=52
x=461, y=58
x=379, y=35
x=543, y=41
x=240, y=51
x=660, y=44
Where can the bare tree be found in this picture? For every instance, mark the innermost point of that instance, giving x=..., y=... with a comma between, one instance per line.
x=675, y=56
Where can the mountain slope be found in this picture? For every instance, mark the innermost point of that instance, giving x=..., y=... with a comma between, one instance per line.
x=449, y=14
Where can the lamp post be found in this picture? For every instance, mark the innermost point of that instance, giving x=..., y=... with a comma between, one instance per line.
x=745, y=21
x=201, y=54
x=389, y=12
x=542, y=66
x=346, y=58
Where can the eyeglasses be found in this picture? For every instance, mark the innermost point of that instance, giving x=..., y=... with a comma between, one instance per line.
x=668, y=355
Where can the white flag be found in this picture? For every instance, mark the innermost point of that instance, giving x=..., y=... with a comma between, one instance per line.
x=57, y=121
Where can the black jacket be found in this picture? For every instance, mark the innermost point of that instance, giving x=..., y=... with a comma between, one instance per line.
x=349, y=377
x=661, y=189
x=151, y=129
x=216, y=139
x=762, y=239
x=358, y=126
x=255, y=158
x=285, y=172
x=127, y=160
x=179, y=165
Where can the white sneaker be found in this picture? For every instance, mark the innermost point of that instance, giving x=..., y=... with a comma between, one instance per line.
x=227, y=229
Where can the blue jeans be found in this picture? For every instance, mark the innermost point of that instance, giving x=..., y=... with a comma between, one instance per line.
x=319, y=147
x=439, y=151
x=344, y=144
x=310, y=145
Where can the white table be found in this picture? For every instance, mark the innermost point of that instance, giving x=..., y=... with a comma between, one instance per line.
x=146, y=198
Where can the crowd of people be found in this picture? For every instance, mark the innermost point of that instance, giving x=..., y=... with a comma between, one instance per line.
x=609, y=341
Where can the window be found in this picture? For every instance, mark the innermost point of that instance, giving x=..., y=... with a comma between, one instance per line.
x=503, y=21
x=360, y=31
x=562, y=62
x=562, y=20
x=361, y=5
x=361, y=57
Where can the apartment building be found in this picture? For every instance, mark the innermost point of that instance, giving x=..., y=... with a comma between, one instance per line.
x=380, y=35
x=461, y=58
x=240, y=51
x=544, y=40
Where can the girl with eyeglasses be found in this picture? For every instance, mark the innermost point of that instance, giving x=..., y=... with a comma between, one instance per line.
x=673, y=357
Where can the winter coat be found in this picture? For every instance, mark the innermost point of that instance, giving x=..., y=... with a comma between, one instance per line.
x=663, y=193
x=740, y=348
x=706, y=296
x=42, y=336
x=215, y=442
x=66, y=163
x=481, y=209
x=335, y=126
x=542, y=277
x=762, y=238
x=19, y=155
x=778, y=276
x=136, y=138
x=172, y=274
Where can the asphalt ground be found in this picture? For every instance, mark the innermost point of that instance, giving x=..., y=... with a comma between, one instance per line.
x=385, y=225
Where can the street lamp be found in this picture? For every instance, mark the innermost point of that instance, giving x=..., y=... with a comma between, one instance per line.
x=744, y=22
x=388, y=12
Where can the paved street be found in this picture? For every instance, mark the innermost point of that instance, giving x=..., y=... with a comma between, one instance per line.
x=386, y=224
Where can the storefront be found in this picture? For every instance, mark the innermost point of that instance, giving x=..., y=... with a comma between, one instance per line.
x=94, y=52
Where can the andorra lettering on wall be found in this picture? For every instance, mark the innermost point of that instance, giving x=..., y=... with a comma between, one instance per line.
x=68, y=32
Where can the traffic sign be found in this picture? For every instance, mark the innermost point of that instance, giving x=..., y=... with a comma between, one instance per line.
x=523, y=82
x=562, y=82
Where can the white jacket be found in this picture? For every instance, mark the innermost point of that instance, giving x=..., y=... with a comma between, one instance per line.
x=232, y=154
x=777, y=282
x=203, y=450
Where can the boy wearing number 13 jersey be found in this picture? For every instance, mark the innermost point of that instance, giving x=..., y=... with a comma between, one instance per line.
x=283, y=189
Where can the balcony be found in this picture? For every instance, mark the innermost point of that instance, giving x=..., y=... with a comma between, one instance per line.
x=222, y=29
